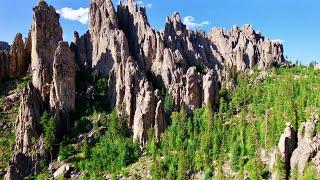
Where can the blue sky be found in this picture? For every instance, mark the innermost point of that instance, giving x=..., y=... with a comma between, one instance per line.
x=296, y=22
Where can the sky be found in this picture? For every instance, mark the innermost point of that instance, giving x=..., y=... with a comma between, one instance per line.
x=296, y=23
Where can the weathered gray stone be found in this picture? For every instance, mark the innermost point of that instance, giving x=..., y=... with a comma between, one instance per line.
x=29, y=149
x=63, y=88
x=46, y=33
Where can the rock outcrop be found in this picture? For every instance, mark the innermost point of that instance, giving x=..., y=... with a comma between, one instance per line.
x=308, y=147
x=82, y=49
x=14, y=62
x=296, y=150
x=4, y=60
x=159, y=119
x=142, y=66
x=129, y=89
x=189, y=64
x=28, y=149
x=46, y=32
x=50, y=65
x=141, y=37
x=4, y=46
x=17, y=65
x=63, y=88
x=287, y=144
x=245, y=48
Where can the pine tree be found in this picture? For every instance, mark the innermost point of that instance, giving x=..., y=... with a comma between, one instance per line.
x=49, y=125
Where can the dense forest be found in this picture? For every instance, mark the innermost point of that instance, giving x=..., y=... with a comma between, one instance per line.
x=221, y=141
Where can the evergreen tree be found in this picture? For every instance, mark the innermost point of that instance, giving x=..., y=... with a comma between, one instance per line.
x=49, y=126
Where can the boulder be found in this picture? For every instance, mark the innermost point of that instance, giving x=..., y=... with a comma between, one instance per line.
x=64, y=170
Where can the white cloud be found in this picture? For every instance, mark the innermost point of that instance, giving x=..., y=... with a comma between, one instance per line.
x=141, y=3
x=189, y=21
x=279, y=41
x=81, y=14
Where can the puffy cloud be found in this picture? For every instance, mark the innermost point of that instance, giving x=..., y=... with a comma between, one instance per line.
x=81, y=14
x=279, y=41
x=189, y=21
x=141, y=3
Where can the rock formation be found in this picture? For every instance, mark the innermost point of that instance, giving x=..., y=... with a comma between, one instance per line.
x=28, y=149
x=4, y=59
x=245, y=48
x=128, y=84
x=308, y=147
x=17, y=65
x=139, y=60
x=45, y=35
x=14, y=61
x=51, y=66
x=4, y=46
x=296, y=150
x=62, y=94
x=140, y=63
x=82, y=49
x=286, y=146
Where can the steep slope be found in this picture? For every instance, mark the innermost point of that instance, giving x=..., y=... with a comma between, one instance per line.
x=142, y=68
x=50, y=63
x=189, y=65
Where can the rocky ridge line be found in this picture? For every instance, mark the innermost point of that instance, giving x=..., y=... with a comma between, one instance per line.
x=189, y=65
x=142, y=65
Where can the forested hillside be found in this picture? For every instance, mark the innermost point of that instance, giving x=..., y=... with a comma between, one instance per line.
x=127, y=101
x=226, y=141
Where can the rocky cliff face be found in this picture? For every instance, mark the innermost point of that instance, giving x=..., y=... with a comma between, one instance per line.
x=189, y=65
x=296, y=150
x=52, y=87
x=245, y=48
x=308, y=147
x=28, y=144
x=17, y=65
x=62, y=94
x=142, y=66
x=4, y=59
x=46, y=32
x=4, y=46
x=15, y=59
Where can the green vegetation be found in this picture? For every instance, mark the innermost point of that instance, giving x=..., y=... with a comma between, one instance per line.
x=101, y=86
x=49, y=126
x=251, y=117
x=23, y=82
x=310, y=172
x=7, y=118
x=113, y=151
x=168, y=103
